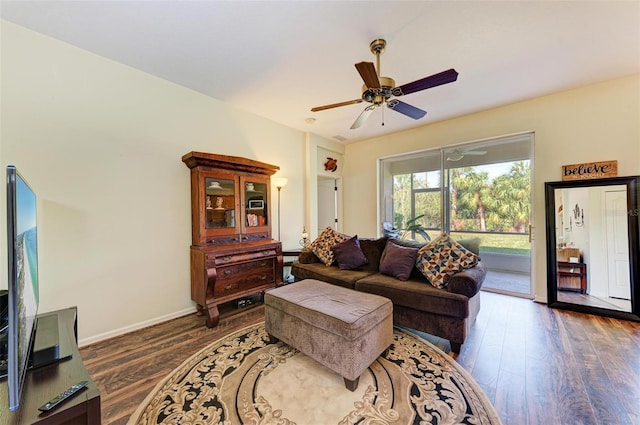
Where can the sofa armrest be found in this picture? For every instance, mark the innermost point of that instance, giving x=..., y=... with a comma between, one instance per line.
x=307, y=257
x=467, y=282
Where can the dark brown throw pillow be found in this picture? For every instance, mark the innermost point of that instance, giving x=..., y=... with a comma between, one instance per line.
x=349, y=255
x=398, y=261
x=373, y=249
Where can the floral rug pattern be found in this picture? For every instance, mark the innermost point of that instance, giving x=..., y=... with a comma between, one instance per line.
x=245, y=379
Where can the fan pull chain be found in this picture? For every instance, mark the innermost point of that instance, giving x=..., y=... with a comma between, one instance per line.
x=382, y=114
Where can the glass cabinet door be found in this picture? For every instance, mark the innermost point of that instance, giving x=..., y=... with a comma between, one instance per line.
x=220, y=203
x=255, y=203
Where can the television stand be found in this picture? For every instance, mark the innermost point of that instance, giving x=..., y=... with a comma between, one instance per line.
x=44, y=383
x=46, y=344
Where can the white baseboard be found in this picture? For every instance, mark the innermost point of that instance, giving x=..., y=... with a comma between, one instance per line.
x=117, y=332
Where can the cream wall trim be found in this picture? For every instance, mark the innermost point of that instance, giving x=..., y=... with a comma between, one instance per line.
x=136, y=326
x=593, y=123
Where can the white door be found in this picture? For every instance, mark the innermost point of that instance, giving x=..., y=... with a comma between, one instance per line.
x=617, y=246
x=327, y=204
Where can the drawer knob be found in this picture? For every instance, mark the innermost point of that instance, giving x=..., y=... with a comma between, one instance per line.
x=264, y=263
x=227, y=272
x=266, y=252
x=228, y=287
x=227, y=258
x=263, y=278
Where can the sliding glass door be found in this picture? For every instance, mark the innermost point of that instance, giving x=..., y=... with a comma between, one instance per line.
x=479, y=190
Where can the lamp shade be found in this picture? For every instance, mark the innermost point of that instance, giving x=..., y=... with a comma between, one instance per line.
x=279, y=182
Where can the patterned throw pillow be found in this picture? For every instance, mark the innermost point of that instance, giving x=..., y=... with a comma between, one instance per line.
x=442, y=258
x=323, y=244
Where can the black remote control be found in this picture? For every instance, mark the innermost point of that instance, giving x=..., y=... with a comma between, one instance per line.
x=67, y=394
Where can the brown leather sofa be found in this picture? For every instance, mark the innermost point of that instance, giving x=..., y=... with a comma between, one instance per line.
x=448, y=313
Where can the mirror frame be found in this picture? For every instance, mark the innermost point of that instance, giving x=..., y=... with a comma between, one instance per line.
x=633, y=210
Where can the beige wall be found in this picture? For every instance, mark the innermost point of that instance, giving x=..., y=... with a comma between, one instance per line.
x=594, y=123
x=101, y=144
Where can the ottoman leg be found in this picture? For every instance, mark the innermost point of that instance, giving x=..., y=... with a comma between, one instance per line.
x=273, y=339
x=351, y=385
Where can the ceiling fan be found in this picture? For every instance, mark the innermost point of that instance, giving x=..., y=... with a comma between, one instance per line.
x=378, y=90
x=458, y=154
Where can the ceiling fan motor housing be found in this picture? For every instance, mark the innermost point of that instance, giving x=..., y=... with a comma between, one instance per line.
x=377, y=46
x=378, y=96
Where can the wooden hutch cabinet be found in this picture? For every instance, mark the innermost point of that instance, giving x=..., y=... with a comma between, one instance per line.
x=232, y=253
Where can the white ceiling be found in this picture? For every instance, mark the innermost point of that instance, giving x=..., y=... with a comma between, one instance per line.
x=280, y=59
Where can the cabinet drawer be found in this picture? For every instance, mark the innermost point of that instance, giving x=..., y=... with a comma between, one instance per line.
x=240, y=277
x=222, y=240
x=255, y=237
x=222, y=260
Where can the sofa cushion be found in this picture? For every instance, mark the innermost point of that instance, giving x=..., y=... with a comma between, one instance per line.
x=398, y=261
x=442, y=258
x=472, y=244
x=307, y=256
x=349, y=255
x=321, y=246
x=416, y=294
x=318, y=271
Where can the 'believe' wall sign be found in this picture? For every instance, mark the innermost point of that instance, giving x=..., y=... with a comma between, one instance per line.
x=590, y=170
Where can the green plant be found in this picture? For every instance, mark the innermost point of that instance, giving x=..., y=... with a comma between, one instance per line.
x=412, y=226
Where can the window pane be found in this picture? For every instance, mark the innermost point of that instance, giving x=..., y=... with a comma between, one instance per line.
x=428, y=204
x=426, y=180
x=490, y=198
x=401, y=200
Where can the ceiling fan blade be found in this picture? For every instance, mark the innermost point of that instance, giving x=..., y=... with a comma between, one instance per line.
x=406, y=109
x=444, y=77
x=335, y=105
x=369, y=75
x=363, y=116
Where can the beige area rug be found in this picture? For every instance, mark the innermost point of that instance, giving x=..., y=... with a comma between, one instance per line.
x=243, y=379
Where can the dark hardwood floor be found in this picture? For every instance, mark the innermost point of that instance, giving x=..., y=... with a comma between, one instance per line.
x=536, y=365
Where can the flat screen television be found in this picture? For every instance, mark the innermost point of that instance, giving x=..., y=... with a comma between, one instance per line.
x=22, y=297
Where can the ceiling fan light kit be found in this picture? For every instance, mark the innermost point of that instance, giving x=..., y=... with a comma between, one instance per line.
x=379, y=90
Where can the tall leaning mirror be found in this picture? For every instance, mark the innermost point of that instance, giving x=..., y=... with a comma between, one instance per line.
x=593, y=246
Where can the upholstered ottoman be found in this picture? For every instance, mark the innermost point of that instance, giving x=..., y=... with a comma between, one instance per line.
x=340, y=328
